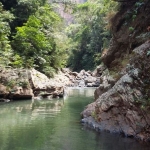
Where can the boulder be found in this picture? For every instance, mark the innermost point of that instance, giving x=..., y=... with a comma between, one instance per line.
x=15, y=84
x=45, y=87
x=3, y=89
x=124, y=107
x=81, y=83
x=90, y=79
x=90, y=84
x=19, y=84
x=73, y=73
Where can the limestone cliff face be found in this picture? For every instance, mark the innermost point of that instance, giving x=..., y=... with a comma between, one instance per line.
x=123, y=98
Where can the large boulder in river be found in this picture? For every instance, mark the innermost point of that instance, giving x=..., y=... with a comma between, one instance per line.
x=125, y=107
x=90, y=79
x=44, y=86
x=3, y=89
x=15, y=84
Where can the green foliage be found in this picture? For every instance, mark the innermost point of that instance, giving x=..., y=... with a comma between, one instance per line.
x=139, y=4
x=17, y=61
x=131, y=29
x=88, y=34
x=24, y=84
x=148, y=53
x=22, y=11
x=10, y=84
x=49, y=71
x=36, y=35
x=36, y=41
x=5, y=48
x=132, y=14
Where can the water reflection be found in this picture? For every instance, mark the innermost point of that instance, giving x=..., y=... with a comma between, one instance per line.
x=33, y=107
x=78, y=91
x=55, y=125
x=22, y=123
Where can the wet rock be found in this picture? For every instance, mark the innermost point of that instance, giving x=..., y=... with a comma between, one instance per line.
x=3, y=89
x=15, y=84
x=4, y=100
x=83, y=79
x=28, y=83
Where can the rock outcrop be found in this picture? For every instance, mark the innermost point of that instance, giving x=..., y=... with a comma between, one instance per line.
x=14, y=84
x=129, y=29
x=82, y=79
x=124, y=106
x=122, y=101
x=17, y=84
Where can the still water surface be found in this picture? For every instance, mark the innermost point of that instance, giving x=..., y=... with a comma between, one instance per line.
x=55, y=125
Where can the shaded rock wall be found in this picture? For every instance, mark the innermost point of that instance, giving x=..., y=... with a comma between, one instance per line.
x=129, y=30
x=125, y=107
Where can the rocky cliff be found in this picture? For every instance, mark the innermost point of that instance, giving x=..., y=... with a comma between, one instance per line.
x=122, y=101
x=130, y=28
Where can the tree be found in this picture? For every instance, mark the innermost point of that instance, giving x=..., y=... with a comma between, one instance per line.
x=5, y=48
x=89, y=32
x=21, y=9
x=35, y=42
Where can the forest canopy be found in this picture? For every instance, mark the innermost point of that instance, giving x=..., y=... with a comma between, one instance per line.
x=33, y=34
x=90, y=33
x=29, y=35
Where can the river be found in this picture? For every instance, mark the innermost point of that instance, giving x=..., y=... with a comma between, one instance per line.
x=55, y=125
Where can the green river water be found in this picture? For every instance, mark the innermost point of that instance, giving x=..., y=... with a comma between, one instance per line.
x=55, y=125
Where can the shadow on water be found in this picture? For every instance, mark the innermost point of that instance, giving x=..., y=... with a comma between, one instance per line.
x=55, y=125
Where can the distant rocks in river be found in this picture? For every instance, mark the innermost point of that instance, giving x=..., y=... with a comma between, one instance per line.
x=82, y=79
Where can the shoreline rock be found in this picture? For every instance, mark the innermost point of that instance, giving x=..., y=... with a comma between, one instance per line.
x=124, y=106
x=29, y=83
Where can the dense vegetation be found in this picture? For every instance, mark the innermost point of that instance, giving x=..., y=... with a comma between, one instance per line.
x=32, y=34
x=90, y=34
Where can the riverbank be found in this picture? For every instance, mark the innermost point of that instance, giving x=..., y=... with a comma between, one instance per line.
x=21, y=84
x=54, y=125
